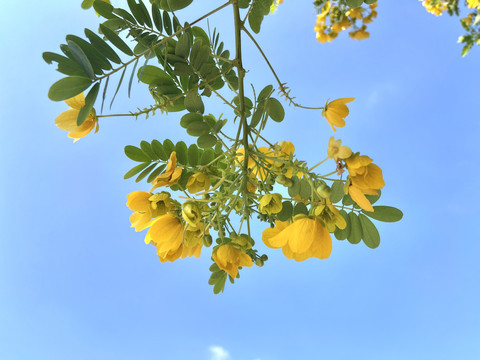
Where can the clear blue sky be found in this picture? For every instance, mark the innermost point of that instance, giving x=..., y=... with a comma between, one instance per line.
x=77, y=283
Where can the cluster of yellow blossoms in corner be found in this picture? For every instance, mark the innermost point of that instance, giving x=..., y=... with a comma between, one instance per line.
x=435, y=7
x=333, y=19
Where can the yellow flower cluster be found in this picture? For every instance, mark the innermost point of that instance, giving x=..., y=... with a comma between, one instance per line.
x=435, y=7
x=333, y=19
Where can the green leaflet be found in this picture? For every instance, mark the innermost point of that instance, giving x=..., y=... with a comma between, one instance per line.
x=136, y=154
x=89, y=102
x=370, y=234
x=385, y=214
x=68, y=87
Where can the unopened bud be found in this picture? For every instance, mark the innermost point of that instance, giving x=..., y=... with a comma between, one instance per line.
x=207, y=240
x=259, y=262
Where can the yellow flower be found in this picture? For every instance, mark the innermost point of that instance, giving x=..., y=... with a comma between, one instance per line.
x=365, y=179
x=300, y=240
x=166, y=233
x=330, y=216
x=360, y=34
x=171, y=174
x=336, y=151
x=336, y=111
x=198, y=182
x=342, y=25
x=323, y=15
x=355, y=13
x=230, y=259
x=435, y=7
x=270, y=204
x=67, y=120
x=147, y=206
x=473, y=3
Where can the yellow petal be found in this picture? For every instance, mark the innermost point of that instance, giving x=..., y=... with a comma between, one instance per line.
x=269, y=235
x=299, y=235
x=77, y=102
x=67, y=120
x=138, y=201
x=357, y=196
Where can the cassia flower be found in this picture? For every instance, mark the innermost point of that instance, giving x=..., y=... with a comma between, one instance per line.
x=229, y=258
x=336, y=111
x=67, y=120
x=365, y=179
x=171, y=174
x=336, y=151
x=198, y=182
x=270, y=204
x=147, y=206
x=166, y=233
x=300, y=240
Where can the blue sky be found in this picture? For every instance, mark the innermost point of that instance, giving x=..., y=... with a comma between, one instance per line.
x=77, y=283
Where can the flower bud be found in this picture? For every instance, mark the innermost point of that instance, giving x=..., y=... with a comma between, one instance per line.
x=191, y=214
x=259, y=262
x=324, y=190
x=207, y=240
x=283, y=180
x=270, y=204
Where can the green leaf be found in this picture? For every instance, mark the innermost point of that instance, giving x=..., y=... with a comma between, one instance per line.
x=342, y=234
x=145, y=172
x=156, y=172
x=207, y=157
x=125, y=14
x=135, y=170
x=103, y=9
x=167, y=23
x=157, y=148
x=102, y=46
x=305, y=189
x=65, y=65
x=355, y=235
x=220, y=283
x=136, y=154
x=189, y=118
x=86, y=4
x=146, y=15
x=206, y=141
x=347, y=200
x=68, y=87
x=157, y=17
x=173, y=5
x=337, y=192
x=147, y=149
x=194, y=103
x=370, y=2
x=183, y=46
x=182, y=153
x=275, y=110
x=300, y=208
x=150, y=74
x=385, y=214
x=199, y=33
x=81, y=58
x=136, y=11
x=193, y=155
x=89, y=102
x=287, y=211
x=265, y=93
x=168, y=146
x=294, y=190
x=370, y=234
x=198, y=128
x=96, y=58
x=260, y=8
x=116, y=40
x=354, y=3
